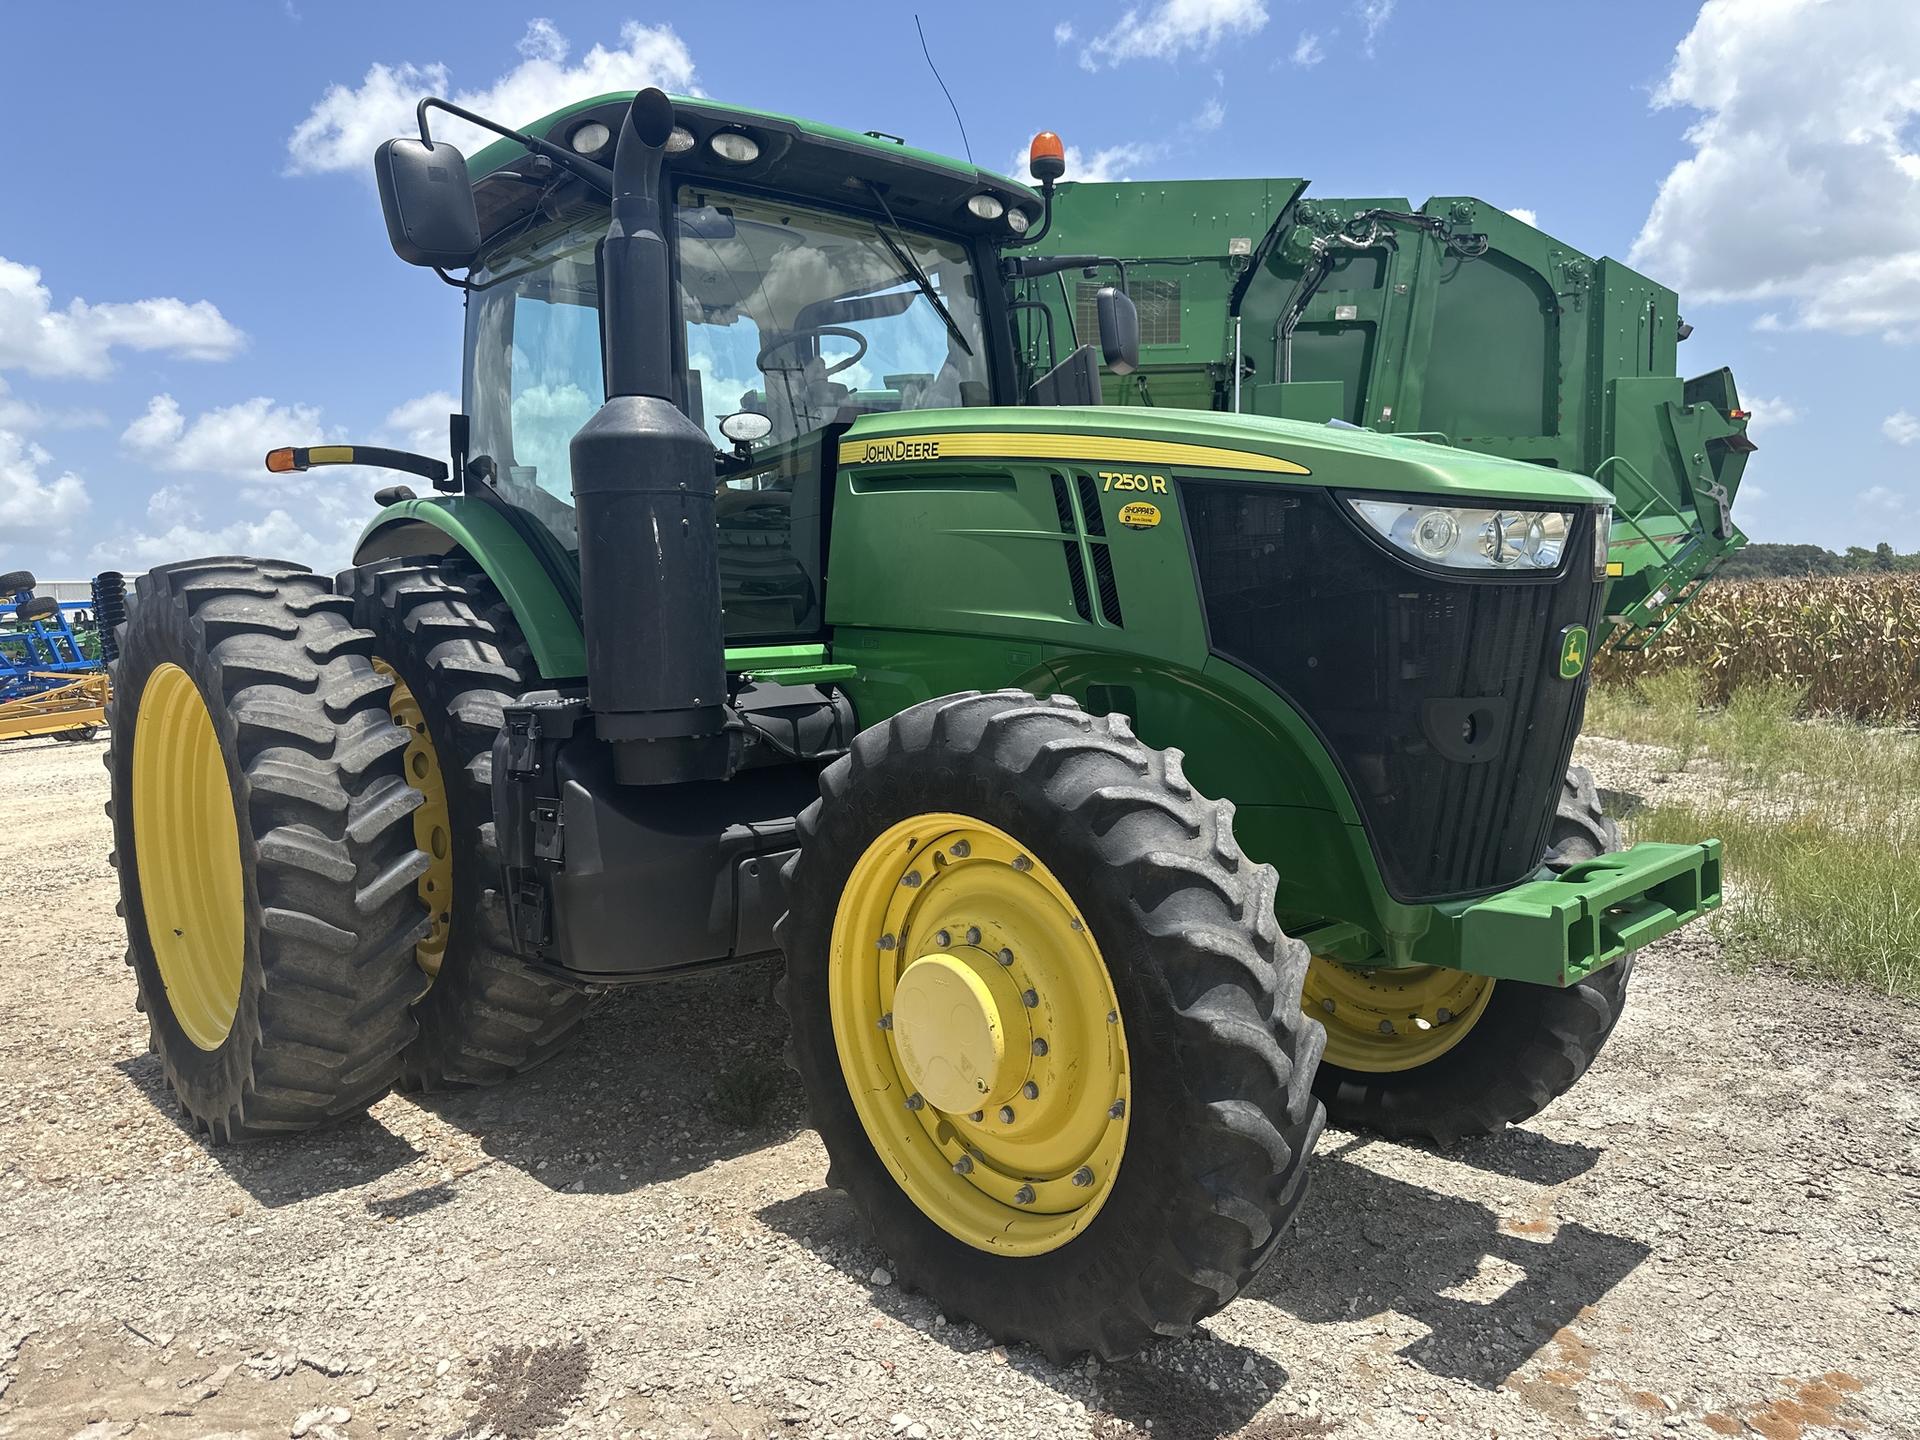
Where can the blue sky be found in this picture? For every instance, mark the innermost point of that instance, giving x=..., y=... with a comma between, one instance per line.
x=193, y=265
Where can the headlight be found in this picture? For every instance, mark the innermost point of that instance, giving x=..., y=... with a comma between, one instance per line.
x=1602, y=538
x=987, y=207
x=1017, y=221
x=732, y=145
x=1463, y=538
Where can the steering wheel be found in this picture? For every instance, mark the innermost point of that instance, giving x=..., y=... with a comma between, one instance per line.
x=790, y=337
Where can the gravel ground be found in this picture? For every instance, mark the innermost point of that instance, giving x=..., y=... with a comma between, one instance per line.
x=1714, y=1235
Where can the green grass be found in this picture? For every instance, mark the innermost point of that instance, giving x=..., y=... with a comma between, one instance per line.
x=1821, y=821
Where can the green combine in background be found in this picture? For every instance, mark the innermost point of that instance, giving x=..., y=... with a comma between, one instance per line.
x=1455, y=323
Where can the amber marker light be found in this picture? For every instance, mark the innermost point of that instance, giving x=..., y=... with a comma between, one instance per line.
x=1046, y=157
x=280, y=461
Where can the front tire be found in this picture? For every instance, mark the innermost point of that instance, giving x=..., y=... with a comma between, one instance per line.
x=1439, y=1055
x=460, y=658
x=263, y=840
x=1120, y=1175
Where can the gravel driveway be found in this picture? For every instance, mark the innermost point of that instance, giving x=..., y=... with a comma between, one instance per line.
x=1716, y=1234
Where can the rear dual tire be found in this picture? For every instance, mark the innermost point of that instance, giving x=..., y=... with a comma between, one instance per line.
x=262, y=837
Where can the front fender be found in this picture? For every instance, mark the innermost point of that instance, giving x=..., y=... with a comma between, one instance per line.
x=526, y=580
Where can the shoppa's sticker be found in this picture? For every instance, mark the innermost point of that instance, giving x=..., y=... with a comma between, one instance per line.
x=1139, y=515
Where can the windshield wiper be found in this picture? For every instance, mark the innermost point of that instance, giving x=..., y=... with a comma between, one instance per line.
x=912, y=271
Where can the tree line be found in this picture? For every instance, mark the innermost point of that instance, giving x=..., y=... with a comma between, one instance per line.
x=1778, y=562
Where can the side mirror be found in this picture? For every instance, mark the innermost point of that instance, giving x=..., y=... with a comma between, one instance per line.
x=428, y=202
x=1119, y=330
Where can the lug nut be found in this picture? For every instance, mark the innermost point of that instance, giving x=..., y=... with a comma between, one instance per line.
x=1030, y=998
x=960, y=849
x=942, y=938
x=915, y=1102
x=1006, y=1114
x=977, y=1116
x=1386, y=1027
x=973, y=935
x=1083, y=1177
x=1030, y=1090
x=963, y=1166
x=1077, y=924
x=887, y=942
x=1024, y=1195
x=1022, y=863
x=1442, y=1015
x=911, y=879
x=1117, y=1109
x=1005, y=957
x=1113, y=1017
x=1327, y=1005
x=886, y=1021
x=1039, y=1047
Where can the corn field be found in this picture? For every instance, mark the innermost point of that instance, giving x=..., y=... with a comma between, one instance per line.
x=1850, y=643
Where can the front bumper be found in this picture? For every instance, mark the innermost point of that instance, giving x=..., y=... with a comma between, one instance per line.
x=1560, y=930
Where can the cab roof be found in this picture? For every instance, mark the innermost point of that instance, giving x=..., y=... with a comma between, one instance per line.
x=797, y=156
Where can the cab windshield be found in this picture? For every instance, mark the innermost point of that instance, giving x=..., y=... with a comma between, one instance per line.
x=796, y=313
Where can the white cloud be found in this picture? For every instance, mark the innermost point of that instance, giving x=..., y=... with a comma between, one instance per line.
x=1883, y=500
x=1525, y=216
x=331, y=516
x=420, y=425
x=1373, y=16
x=1112, y=162
x=79, y=340
x=1902, y=427
x=1212, y=115
x=1804, y=184
x=1063, y=33
x=233, y=440
x=1171, y=28
x=1308, y=50
x=21, y=415
x=30, y=501
x=348, y=123
x=1768, y=412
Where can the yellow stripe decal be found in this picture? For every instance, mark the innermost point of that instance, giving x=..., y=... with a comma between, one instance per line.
x=330, y=455
x=1011, y=446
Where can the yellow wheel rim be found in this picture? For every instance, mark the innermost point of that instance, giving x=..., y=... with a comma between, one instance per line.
x=979, y=1034
x=187, y=851
x=1392, y=1019
x=432, y=831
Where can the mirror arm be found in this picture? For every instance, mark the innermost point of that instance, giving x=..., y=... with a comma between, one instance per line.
x=1029, y=267
x=587, y=170
x=295, y=458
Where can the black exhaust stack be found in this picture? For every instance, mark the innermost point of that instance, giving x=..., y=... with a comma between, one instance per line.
x=643, y=486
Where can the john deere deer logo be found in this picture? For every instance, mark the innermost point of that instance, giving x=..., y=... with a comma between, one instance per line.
x=1573, y=651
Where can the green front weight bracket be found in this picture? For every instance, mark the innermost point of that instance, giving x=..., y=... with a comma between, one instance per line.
x=1558, y=931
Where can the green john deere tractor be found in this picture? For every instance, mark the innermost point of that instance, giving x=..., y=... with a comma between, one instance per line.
x=769, y=602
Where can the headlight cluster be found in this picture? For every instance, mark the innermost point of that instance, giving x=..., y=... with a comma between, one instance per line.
x=1471, y=537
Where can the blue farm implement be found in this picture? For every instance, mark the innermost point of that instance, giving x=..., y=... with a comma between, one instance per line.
x=49, y=685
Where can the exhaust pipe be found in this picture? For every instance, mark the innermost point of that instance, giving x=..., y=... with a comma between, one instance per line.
x=643, y=490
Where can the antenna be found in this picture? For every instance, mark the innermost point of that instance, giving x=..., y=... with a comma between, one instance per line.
x=943, y=88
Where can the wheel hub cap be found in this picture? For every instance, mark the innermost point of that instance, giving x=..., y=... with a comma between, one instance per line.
x=961, y=1030
x=1385, y=1020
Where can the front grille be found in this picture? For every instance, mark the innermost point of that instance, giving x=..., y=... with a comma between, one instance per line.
x=1440, y=698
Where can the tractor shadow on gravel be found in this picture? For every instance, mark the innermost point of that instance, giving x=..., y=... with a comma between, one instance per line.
x=666, y=1079
x=1198, y=1388
x=1492, y=1292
